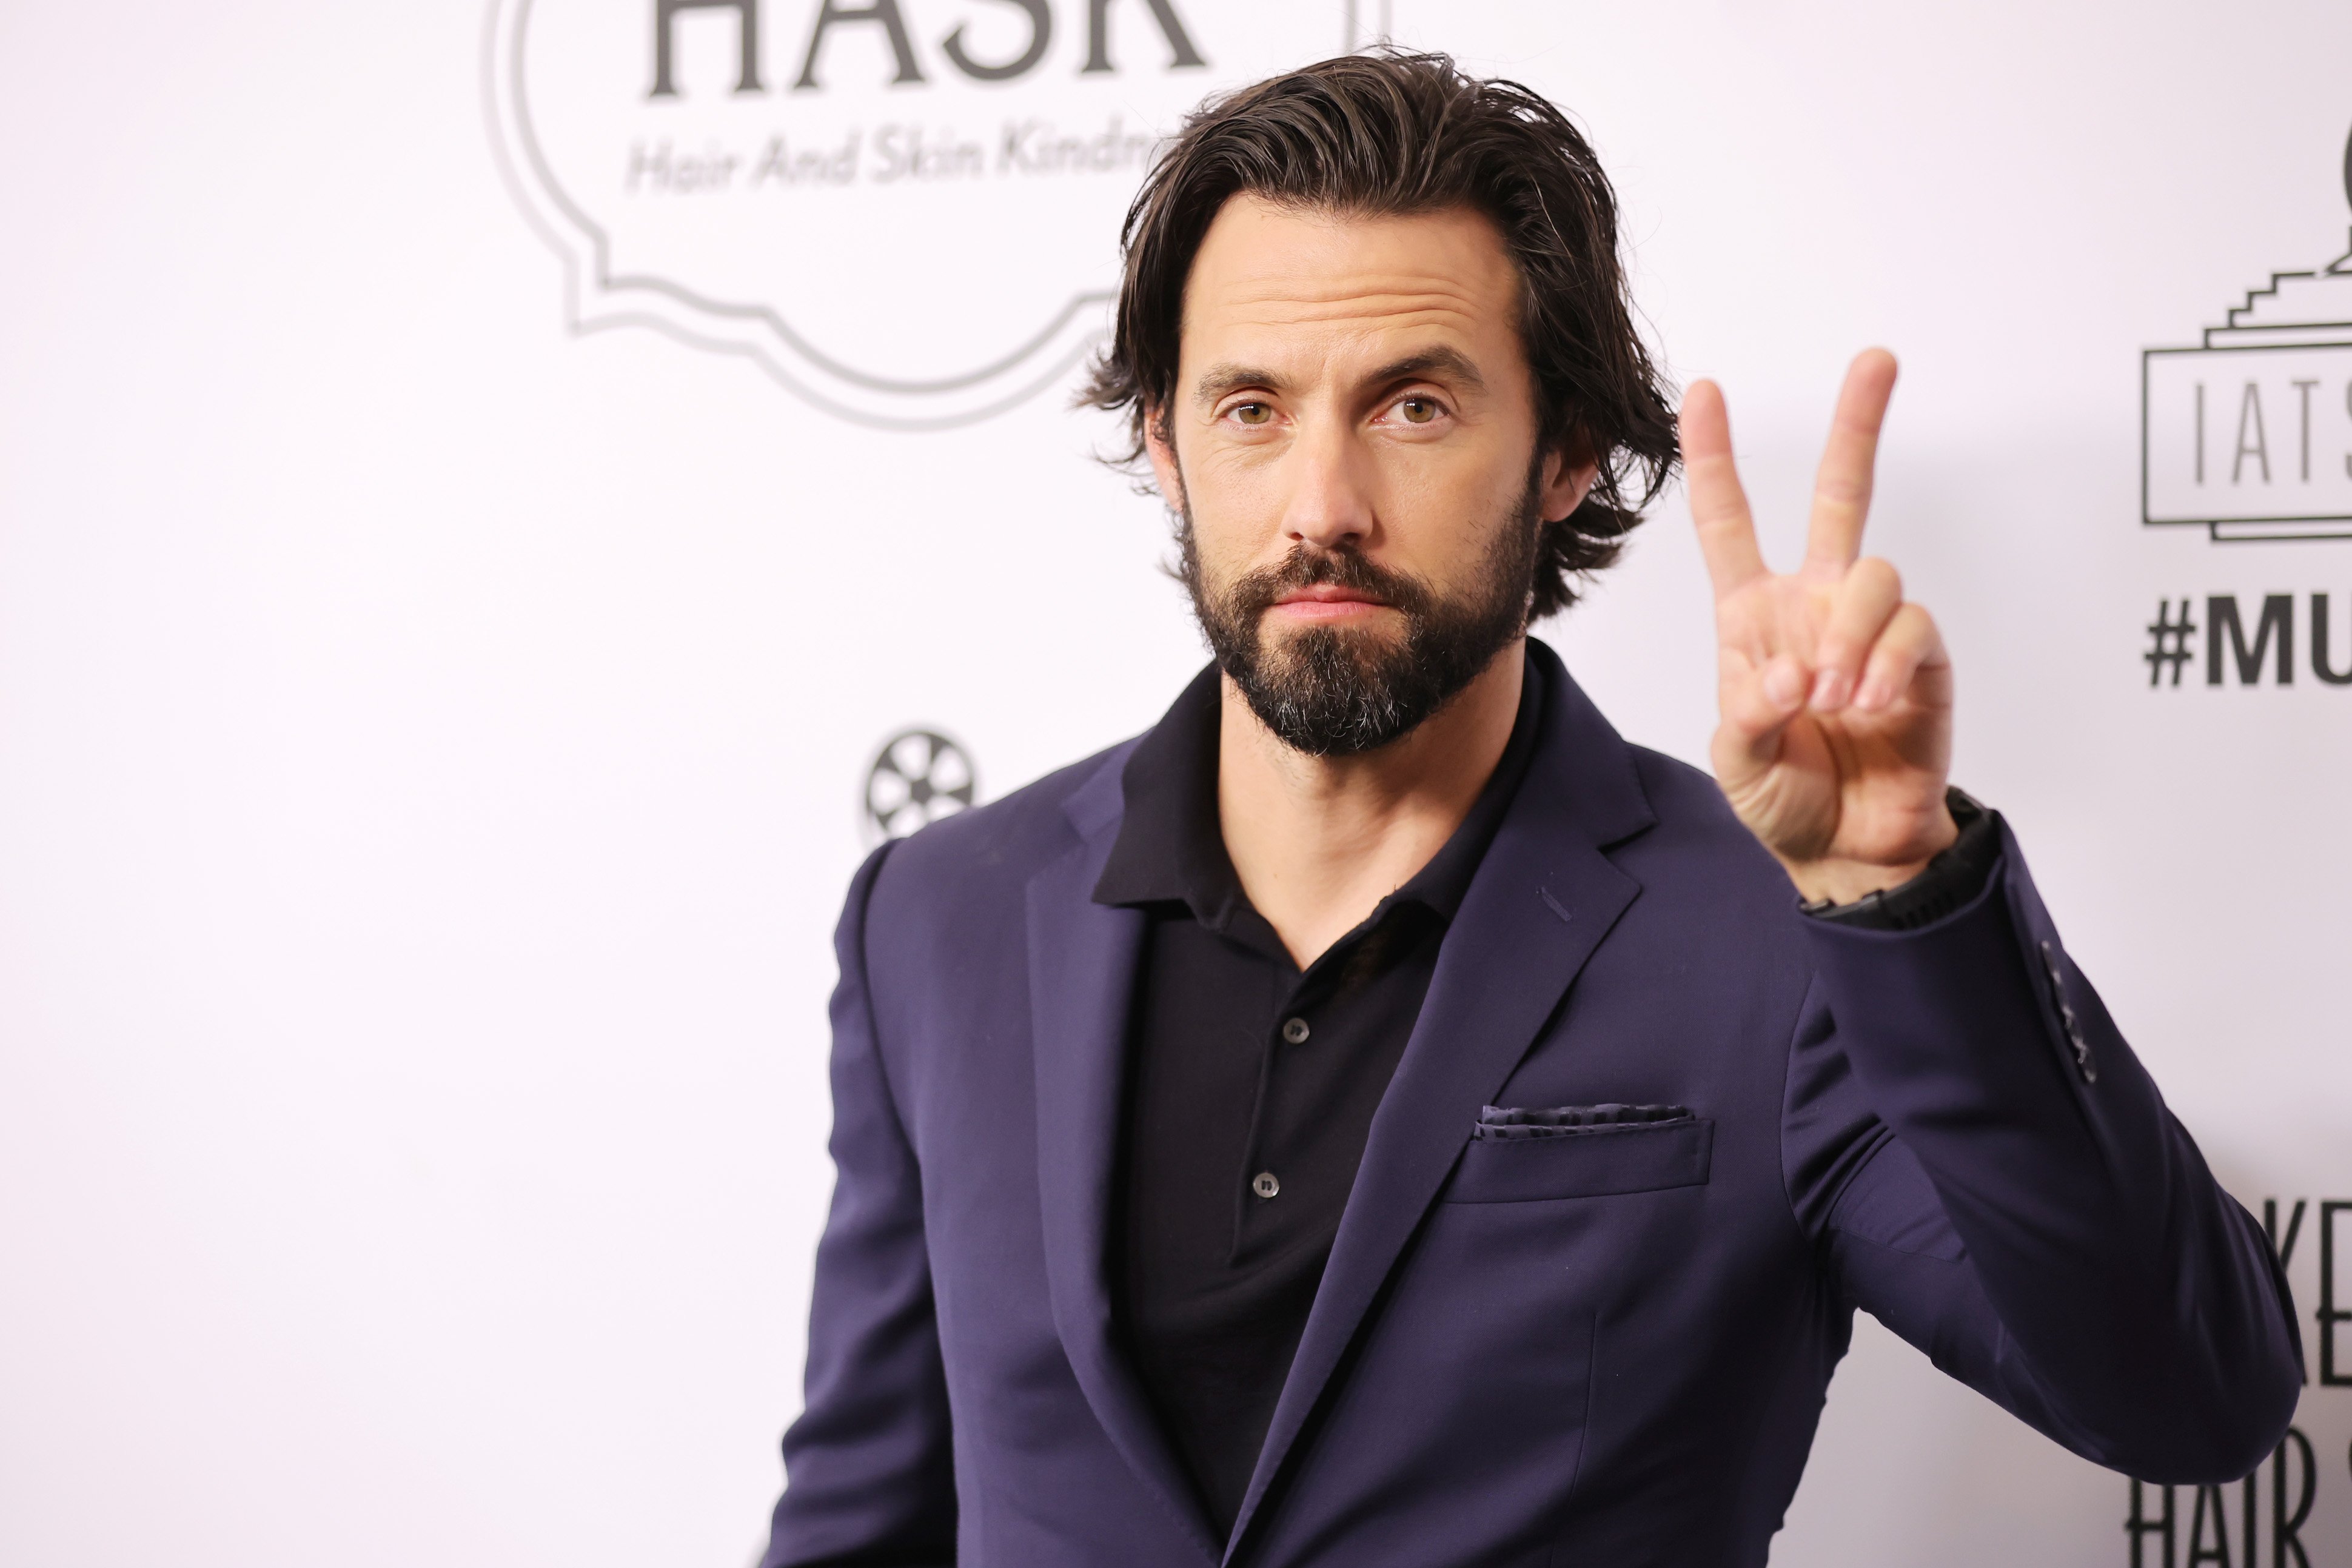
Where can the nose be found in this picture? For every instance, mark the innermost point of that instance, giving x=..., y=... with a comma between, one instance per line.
x=1330, y=503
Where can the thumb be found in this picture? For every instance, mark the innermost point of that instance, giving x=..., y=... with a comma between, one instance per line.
x=1757, y=701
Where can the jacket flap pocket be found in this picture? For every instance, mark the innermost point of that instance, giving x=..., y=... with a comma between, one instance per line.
x=1635, y=1157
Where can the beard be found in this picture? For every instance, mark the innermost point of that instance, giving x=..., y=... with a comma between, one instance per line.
x=1332, y=691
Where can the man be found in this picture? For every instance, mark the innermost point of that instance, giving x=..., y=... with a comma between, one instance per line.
x=1378, y=1116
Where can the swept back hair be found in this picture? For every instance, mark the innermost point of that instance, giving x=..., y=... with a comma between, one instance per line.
x=1392, y=133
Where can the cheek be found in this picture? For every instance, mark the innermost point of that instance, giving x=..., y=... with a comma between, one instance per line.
x=1237, y=482
x=1442, y=517
x=1238, y=502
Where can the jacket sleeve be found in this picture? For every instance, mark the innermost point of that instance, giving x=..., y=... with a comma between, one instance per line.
x=869, y=1468
x=1989, y=1172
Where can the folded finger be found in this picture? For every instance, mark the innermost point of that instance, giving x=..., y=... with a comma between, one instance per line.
x=1909, y=646
x=1864, y=602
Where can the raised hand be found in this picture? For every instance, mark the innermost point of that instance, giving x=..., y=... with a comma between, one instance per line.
x=1836, y=695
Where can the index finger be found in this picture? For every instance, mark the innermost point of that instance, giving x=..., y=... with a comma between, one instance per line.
x=1727, y=532
x=1842, y=488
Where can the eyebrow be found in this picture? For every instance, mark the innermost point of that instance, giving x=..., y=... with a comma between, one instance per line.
x=1219, y=380
x=1441, y=361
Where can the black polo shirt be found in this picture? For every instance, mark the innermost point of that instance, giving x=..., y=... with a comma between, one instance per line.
x=1250, y=1087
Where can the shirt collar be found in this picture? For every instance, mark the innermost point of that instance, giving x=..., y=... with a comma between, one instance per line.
x=1169, y=848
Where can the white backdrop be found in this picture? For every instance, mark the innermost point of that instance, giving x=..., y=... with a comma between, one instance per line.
x=436, y=689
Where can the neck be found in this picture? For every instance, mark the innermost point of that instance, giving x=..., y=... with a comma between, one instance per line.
x=1317, y=842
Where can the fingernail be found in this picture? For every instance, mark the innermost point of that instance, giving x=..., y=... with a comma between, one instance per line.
x=1873, y=696
x=1829, y=691
x=1783, y=687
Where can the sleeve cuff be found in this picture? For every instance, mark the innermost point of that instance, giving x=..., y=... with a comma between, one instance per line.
x=1950, y=880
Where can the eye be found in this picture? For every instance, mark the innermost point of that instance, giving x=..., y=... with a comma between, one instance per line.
x=1251, y=414
x=1418, y=410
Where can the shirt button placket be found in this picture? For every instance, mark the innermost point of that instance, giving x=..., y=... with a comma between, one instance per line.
x=1295, y=1031
x=1263, y=1185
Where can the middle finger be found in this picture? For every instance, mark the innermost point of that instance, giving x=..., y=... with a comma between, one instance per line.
x=1842, y=487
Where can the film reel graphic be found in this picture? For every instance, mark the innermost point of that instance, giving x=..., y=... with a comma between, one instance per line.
x=918, y=777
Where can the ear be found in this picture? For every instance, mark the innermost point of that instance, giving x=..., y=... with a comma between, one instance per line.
x=1162, y=453
x=1568, y=478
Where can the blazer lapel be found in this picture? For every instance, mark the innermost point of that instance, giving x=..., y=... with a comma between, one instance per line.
x=1543, y=898
x=1083, y=960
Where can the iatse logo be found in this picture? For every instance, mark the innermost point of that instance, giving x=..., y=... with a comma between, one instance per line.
x=2249, y=435
x=906, y=211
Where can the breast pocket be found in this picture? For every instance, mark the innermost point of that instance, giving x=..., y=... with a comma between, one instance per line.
x=1585, y=1162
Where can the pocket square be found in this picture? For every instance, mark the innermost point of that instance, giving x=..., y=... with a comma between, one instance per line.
x=1511, y=1121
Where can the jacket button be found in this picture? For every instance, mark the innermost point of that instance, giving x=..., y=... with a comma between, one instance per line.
x=2067, y=1019
x=1295, y=1031
x=1265, y=1185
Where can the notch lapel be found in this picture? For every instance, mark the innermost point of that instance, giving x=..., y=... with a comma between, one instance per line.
x=1082, y=961
x=1542, y=900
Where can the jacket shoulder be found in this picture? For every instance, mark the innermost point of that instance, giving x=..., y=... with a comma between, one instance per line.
x=1002, y=844
x=1679, y=792
x=1696, y=825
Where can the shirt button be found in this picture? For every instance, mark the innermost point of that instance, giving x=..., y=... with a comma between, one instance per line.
x=1295, y=1030
x=1265, y=1185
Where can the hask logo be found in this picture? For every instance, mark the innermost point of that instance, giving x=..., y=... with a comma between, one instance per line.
x=903, y=211
x=2249, y=433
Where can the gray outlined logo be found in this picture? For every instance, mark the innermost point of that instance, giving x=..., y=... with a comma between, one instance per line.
x=2249, y=433
x=918, y=777
x=905, y=211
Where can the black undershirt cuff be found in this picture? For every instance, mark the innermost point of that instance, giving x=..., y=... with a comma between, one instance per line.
x=1952, y=880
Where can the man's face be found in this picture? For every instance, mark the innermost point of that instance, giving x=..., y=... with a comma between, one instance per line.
x=1352, y=445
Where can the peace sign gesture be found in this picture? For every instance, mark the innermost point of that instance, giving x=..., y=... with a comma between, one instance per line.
x=1836, y=695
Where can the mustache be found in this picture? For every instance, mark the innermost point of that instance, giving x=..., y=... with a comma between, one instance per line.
x=1308, y=566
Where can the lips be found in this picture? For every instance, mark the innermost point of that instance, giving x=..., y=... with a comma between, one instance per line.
x=1327, y=604
x=1324, y=587
x=1329, y=593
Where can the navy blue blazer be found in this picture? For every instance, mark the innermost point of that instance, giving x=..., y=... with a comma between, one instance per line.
x=1608, y=1347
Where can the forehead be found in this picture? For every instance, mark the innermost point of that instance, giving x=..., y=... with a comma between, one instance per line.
x=1270, y=279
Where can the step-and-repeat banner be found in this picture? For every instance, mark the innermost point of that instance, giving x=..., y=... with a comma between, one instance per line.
x=503, y=501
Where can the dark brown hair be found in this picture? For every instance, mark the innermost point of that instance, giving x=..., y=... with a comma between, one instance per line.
x=1388, y=133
